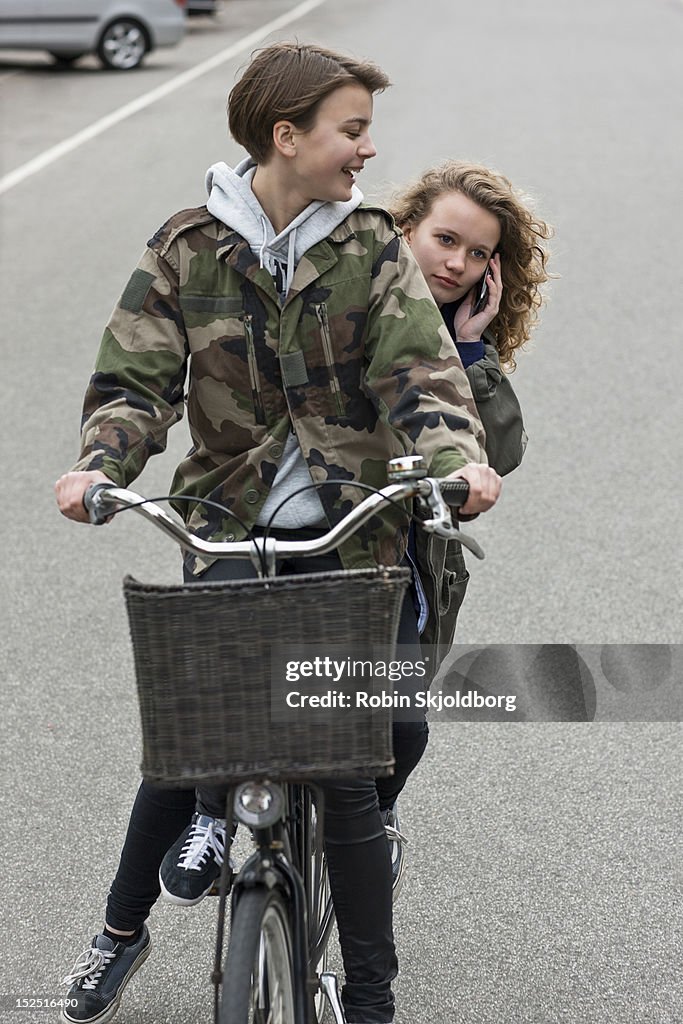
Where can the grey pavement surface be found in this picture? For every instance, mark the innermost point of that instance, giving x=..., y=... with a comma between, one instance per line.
x=545, y=859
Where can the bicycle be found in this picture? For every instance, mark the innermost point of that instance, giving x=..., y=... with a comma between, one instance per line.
x=281, y=910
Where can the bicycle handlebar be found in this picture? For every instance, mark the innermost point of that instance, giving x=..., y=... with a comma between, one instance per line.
x=104, y=500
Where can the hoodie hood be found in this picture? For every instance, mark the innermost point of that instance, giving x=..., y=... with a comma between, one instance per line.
x=232, y=201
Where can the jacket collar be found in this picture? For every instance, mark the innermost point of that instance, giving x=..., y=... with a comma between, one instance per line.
x=235, y=250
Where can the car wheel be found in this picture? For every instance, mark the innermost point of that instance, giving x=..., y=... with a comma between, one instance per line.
x=123, y=44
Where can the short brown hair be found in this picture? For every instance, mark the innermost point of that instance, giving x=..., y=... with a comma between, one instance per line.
x=287, y=82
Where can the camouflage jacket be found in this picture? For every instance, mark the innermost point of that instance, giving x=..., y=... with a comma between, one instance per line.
x=357, y=361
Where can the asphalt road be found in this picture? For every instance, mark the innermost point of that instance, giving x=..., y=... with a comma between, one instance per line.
x=545, y=858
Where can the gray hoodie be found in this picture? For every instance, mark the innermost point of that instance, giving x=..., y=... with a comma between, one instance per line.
x=232, y=201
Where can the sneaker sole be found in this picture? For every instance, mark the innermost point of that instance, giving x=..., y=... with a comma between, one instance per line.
x=181, y=901
x=113, y=1007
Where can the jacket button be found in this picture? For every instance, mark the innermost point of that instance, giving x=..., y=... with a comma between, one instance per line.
x=230, y=537
x=275, y=450
x=251, y=497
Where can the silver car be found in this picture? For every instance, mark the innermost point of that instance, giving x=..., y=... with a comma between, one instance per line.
x=120, y=32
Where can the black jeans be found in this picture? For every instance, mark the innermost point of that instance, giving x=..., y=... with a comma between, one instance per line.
x=355, y=843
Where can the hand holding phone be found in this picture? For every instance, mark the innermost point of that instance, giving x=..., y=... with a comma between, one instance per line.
x=481, y=304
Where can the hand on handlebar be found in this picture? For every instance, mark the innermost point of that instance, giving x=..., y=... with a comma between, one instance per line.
x=485, y=486
x=70, y=489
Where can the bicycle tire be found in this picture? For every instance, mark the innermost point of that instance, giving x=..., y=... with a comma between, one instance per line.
x=258, y=985
x=320, y=910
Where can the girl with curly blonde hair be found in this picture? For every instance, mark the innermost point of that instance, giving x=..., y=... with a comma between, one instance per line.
x=483, y=254
x=465, y=221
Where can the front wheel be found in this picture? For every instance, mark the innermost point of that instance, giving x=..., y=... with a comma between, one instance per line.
x=122, y=45
x=258, y=980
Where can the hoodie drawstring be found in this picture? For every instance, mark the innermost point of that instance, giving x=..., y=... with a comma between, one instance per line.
x=290, y=261
x=274, y=266
x=264, y=243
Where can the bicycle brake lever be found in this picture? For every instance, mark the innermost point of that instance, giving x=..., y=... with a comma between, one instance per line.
x=453, y=533
x=442, y=522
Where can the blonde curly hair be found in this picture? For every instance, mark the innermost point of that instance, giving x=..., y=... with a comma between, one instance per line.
x=522, y=236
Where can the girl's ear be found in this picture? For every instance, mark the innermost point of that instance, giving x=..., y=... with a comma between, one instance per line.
x=407, y=232
x=284, y=138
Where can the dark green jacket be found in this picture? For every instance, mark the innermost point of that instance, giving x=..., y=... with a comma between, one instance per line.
x=443, y=572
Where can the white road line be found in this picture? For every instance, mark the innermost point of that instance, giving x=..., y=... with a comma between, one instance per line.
x=44, y=160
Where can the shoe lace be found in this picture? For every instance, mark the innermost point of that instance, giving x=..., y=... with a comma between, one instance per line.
x=90, y=967
x=201, y=842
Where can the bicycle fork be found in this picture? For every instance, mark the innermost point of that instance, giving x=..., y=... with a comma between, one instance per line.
x=269, y=866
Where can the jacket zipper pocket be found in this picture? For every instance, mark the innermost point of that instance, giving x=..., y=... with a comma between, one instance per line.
x=335, y=387
x=253, y=369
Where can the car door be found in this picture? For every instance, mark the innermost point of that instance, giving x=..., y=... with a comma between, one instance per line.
x=20, y=22
x=70, y=25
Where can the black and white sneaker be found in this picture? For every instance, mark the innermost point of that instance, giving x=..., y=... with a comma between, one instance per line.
x=192, y=865
x=397, y=841
x=99, y=976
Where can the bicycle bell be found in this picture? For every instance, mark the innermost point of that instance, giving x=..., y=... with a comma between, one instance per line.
x=406, y=467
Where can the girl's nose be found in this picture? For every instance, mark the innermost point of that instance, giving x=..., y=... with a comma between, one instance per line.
x=366, y=149
x=456, y=259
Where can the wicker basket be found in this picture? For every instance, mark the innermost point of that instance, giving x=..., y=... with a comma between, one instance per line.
x=203, y=668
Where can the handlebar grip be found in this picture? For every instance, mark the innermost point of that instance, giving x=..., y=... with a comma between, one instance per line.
x=97, y=516
x=454, y=492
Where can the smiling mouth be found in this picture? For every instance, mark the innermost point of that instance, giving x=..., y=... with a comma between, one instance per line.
x=352, y=171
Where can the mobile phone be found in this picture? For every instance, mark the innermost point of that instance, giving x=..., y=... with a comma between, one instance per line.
x=482, y=293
